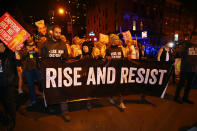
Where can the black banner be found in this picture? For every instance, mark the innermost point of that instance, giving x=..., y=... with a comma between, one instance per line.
x=67, y=80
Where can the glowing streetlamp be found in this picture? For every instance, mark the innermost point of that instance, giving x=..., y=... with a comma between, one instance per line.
x=61, y=11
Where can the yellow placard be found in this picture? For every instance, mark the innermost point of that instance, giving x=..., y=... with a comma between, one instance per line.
x=103, y=38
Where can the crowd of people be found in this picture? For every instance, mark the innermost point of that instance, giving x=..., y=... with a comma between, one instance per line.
x=26, y=61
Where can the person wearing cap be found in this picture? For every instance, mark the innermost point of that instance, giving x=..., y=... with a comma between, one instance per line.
x=115, y=52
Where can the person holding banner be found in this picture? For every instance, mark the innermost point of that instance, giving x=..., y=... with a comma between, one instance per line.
x=165, y=53
x=188, y=69
x=76, y=51
x=99, y=50
x=87, y=49
x=54, y=47
x=8, y=80
x=115, y=52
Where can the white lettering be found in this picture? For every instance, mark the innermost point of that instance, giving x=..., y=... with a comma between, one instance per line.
x=59, y=77
x=101, y=75
x=131, y=74
x=161, y=76
x=91, y=77
x=124, y=74
x=154, y=80
x=50, y=78
x=147, y=76
x=76, y=76
x=69, y=80
x=140, y=79
x=111, y=72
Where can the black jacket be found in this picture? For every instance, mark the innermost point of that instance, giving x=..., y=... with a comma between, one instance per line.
x=9, y=64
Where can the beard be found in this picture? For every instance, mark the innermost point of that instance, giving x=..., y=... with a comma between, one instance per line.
x=56, y=38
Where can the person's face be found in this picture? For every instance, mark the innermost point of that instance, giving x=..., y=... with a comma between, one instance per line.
x=56, y=33
x=42, y=30
x=2, y=48
x=167, y=45
x=85, y=49
x=76, y=40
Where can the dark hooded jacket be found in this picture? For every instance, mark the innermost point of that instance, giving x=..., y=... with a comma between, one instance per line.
x=9, y=64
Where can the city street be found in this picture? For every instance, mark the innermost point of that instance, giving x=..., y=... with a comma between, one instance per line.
x=149, y=114
x=64, y=61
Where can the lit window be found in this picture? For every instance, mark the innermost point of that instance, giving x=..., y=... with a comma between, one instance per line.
x=134, y=25
x=176, y=37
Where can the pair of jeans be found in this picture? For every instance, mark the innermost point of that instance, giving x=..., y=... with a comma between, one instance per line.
x=30, y=76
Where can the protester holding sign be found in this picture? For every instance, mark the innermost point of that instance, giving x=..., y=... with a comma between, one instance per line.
x=12, y=35
x=41, y=36
x=115, y=52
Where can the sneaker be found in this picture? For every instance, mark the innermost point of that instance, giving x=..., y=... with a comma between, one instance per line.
x=122, y=106
x=178, y=100
x=31, y=104
x=188, y=101
x=20, y=91
x=111, y=100
x=67, y=117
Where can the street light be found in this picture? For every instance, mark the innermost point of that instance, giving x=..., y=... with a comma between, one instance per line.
x=61, y=11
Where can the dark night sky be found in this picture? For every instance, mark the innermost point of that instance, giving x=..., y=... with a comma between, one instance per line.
x=38, y=8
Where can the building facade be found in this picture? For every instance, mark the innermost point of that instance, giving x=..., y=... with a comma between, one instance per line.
x=162, y=19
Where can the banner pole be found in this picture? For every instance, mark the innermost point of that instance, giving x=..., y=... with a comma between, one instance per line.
x=163, y=94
